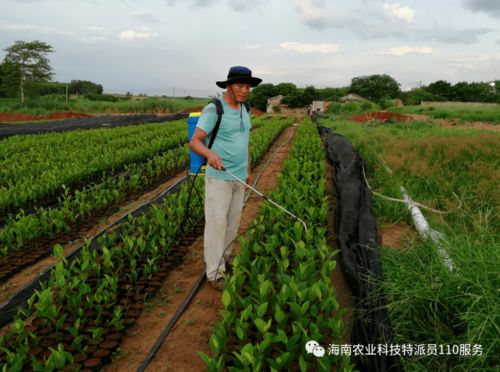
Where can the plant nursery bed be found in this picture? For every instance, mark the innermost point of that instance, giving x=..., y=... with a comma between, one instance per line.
x=193, y=330
x=27, y=268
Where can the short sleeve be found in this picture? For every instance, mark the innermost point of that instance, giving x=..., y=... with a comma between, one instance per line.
x=208, y=118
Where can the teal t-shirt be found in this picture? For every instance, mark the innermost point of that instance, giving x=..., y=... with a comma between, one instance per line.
x=231, y=143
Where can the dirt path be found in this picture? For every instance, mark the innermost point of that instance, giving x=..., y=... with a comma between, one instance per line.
x=393, y=234
x=342, y=291
x=194, y=328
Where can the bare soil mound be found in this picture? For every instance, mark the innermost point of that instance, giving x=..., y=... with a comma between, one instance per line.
x=12, y=117
x=380, y=116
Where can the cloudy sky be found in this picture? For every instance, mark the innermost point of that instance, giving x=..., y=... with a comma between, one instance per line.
x=152, y=46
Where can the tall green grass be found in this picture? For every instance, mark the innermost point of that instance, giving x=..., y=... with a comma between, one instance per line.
x=456, y=170
x=431, y=305
x=348, y=109
x=49, y=104
x=463, y=113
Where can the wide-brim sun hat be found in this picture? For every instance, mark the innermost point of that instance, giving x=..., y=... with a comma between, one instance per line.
x=239, y=74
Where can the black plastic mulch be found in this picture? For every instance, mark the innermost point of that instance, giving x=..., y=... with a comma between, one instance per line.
x=356, y=232
x=106, y=121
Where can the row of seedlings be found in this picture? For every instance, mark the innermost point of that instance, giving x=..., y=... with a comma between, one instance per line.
x=34, y=169
x=40, y=230
x=82, y=313
x=279, y=295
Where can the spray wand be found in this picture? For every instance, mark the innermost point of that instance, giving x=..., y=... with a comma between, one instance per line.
x=266, y=198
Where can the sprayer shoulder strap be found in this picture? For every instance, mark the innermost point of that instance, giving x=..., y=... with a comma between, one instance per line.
x=220, y=111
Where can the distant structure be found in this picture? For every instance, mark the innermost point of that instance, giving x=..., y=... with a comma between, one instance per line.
x=272, y=103
x=319, y=106
x=351, y=97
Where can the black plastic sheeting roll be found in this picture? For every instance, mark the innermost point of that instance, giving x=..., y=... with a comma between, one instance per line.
x=356, y=232
x=20, y=299
x=105, y=121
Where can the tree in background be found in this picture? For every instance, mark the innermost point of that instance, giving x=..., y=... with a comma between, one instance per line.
x=375, y=87
x=441, y=89
x=301, y=97
x=27, y=63
x=463, y=91
x=308, y=95
x=85, y=88
x=332, y=94
x=286, y=89
x=416, y=96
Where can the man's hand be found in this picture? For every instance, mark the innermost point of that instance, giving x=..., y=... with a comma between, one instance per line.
x=249, y=180
x=214, y=161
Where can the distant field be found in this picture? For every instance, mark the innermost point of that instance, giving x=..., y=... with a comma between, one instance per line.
x=456, y=111
x=48, y=105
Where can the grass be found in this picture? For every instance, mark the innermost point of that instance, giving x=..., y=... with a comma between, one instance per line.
x=431, y=305
x=462, y=113
x=456, y=170
x=49, y=104
x=349, y=109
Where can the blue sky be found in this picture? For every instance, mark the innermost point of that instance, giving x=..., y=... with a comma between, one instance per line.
x=152, y=46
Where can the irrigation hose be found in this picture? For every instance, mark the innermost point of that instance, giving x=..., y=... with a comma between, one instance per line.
x=171, y=324
x=197, y=285
x=404, y=201
x=14, y=302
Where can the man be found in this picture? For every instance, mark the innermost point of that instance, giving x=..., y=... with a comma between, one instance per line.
x=223, y=194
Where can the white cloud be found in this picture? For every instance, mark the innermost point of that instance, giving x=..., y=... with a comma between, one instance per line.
x=309, y=47
x=308, y=11
x=403, y=13
x=131, y=35
x=402, y=50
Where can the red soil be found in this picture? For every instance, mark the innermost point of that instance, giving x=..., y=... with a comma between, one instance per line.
x=380, y=116
x=11, y=117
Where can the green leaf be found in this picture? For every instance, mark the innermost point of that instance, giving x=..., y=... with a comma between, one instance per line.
x=261, y=310
x=300, y=249
x=302, y=364
x=226, y=298
x=261, y=325
x=204, y=357
x=264, y=288
x=58, y=252
x=283, y=295
x=240, y=331
x=317, y=291
x=60, y=321
x=268, y=339
x=279, y=315
x=305, y=307
x=214, y=344
x=281, y=337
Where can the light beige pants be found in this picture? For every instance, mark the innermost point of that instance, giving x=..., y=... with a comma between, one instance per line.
x=223, y=206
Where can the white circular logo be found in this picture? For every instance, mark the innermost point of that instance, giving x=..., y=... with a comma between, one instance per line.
x=310, y=345
x=319, y=351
